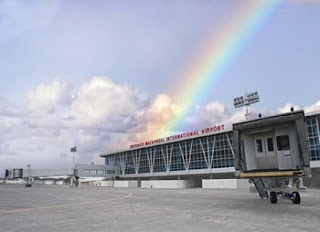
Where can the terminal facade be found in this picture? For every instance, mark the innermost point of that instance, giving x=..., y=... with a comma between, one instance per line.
x=209, y=155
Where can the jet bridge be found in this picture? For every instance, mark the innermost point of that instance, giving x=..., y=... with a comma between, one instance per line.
x=273, y=153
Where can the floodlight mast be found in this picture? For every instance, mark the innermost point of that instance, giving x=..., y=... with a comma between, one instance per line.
x=246, y=100
x=73, y=150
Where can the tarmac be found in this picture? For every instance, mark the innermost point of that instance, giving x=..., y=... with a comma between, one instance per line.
x=58, y=208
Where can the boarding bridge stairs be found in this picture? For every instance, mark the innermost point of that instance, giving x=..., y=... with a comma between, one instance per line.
x=260, y=187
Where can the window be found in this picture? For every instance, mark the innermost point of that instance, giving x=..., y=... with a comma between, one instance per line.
x=270, y=144
x=259, y=145
x=111, y=172
x=313, y=138
x=283, y=142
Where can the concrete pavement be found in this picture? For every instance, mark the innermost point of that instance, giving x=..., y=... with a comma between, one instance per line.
x=53, y=208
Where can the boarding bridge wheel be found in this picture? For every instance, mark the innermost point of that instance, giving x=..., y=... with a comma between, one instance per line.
x=296, y=199
x=273, y=197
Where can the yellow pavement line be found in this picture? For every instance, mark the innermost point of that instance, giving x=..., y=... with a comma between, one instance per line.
x=64, y=205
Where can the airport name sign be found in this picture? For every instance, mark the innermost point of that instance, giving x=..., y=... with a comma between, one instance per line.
x=179, y=136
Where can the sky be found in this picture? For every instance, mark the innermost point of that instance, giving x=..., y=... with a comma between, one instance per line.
x=101, y=75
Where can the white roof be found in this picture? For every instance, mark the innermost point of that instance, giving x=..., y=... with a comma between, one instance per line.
x=313, y=113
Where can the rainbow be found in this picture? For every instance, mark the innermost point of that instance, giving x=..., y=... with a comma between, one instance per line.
x=216, y=56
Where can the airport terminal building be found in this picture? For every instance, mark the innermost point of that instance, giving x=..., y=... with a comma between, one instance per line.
x=207, y=153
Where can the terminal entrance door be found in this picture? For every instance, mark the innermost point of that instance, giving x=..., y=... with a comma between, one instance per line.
x=266, y=156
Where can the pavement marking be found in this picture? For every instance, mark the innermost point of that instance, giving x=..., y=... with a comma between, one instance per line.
x=208, y=219
x=64, y=205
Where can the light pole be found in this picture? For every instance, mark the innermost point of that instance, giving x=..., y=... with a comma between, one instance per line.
x=247, y=100
x=72, y=179
x=73, y=150
x=28, y=183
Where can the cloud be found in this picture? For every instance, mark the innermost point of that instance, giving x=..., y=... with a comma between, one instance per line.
x=9, y=109
x=212, y=113
x=313, y=107
x=308, y=109
x=99, y=116
x=103, y=103
x=215, y=113
x=161, y=110
x=48, y=98
x=287, y=108
x=63, y=155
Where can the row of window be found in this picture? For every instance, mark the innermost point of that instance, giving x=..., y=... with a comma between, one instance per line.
x=98, y=172
x=202, y=153
x=283, y=143
x=313, y=138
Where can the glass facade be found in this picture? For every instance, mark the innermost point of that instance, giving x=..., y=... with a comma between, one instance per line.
x=208, y=152
x=313, y=138
x=214, y=151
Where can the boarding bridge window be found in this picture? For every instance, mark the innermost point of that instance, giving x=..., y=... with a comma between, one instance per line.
x=283, y=142
x=259, y=145
x=270, y=144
